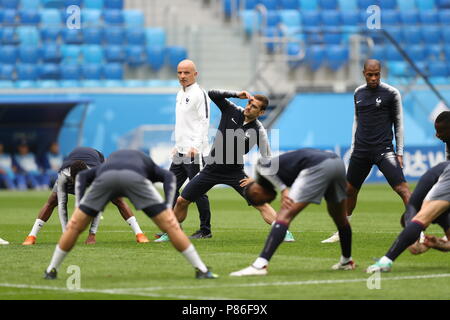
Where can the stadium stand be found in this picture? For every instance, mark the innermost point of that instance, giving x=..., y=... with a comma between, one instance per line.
x=36, y=44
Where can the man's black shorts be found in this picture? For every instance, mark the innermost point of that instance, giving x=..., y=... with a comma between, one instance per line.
x=361, y=163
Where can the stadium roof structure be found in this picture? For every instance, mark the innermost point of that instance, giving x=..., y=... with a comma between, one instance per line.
x=36, y=120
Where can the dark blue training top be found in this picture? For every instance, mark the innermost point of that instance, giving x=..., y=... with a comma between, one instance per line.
x=132, y=160
x=236, y=138
x=292, y=163
x=90, y=156
x=376, y=111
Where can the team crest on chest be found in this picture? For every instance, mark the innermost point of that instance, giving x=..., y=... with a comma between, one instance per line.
x=378, y=101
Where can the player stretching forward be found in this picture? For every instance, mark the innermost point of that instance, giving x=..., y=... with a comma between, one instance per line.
x=127, y=173
x=79, y=159
x=303, y=176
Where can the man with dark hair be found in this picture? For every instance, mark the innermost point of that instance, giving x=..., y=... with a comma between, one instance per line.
x=239, y=131
x=81, y=158
x=304, y=176
x=131, y=174
x=430, y=203
x=378, y=109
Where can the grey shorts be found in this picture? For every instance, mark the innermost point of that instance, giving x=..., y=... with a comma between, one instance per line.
x=441, y=189
x=327, y=179
x=120, y=183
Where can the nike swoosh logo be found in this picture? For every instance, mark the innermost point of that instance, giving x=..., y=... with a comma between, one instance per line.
x=358, y=101
x=233, y=120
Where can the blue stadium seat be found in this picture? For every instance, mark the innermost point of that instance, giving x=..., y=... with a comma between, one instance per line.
x=93, y=4
x=71, y=53
x=397, y=68
x=92, y=53
x=113, y=16
x=112, y=83
x=434, y=52
x=328, y=4
x=134, y=83
x=133, y=18
x=438, y=69
x=364, y=4
x=337, y=56
x=49, y=71
x=7, y=72
x=51, y=53
x=425, y=4
x=114, y=35
x=428, y=17
x=350, y=20
x=405, y=5
x=114, y=53
x=30, y=4
x=293, y=51
x=273, y=18
x=28, y=72
x=444, y=16
x=28, y=35
x=91, y=17
x=155, y=57
x=388, y=4
x=431, y=34
x=290, y=18
x=51, y=17
x=447, y=52
x=135, y=36
x=315, y=56
x=70, y=71
x=396, y=33
x=270, y=33
x=417, y=53
x=50, y=34
x=248, y=5
x=412, y=35
x=25, y=84
x=47, y=84
x=8, y=54
x=445, y=35
x=92, y=35
x=9, y=35
x=113, y=71
x=91, y=83
x=113, y=4
x=155, y=37
x=378, y=52
x=409, y=17
x=289, y=4
x=29, y=54
x=269, y=4
x=10, y=17
x=29, y=16
x=69, y=84
x=390, y=17
x=443, y=4
x=68, y=3
x=72, y=36
x=346, y=5
x=9, y=4
x=332, y=38
x=174, y=55
x=392, y=54
x=308, y=5
x=135, y=56
x=311, y=20
x=5, y=84
x=331, y=20
x=251, y=21
x=92, y=71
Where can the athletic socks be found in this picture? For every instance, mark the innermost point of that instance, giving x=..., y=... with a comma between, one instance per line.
x=192, y=256
x=406, y=238
x=260, y=263
x=132, y=222
x=95, y=223
x=57, y=259
x=38, y=224
x=345, y=236
x=275, y=238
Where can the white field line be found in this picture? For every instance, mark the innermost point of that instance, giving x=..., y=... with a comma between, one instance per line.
x=138, y=291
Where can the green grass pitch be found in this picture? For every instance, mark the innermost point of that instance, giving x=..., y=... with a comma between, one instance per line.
x=119, y=268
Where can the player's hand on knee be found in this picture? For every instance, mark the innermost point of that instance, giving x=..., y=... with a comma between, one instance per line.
x=245, y=182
